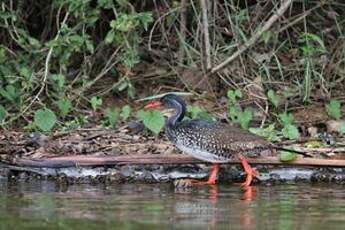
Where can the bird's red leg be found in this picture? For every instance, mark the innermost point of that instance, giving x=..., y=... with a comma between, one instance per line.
x=249, y=171
x=212, y=178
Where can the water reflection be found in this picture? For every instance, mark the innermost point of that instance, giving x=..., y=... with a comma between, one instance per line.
x=160, y=206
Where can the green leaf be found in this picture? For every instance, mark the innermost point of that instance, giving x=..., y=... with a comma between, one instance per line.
x=112, y=115
x=59, y=79
x=233, y=112
x=10, y=93
x=334, y=109
x=233, y=94
x=269, y=132
x=286, y=118
x=194, y=111
x=34, y=42
x=286, y=156
x=106, y=4
x=125, y=112
x=273, y=98
x=152, y=119
x=145, y=18
x=245, y=117
x=44, y=119
x=95, y=102
x=26, y=72
x=109, y=38
x=290, y=131
x=64, y=106
x=89, y=46
x=3, y=113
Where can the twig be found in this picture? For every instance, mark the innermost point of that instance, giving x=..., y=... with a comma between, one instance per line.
x=183, y=28
x=156, y=23
x=284, y=6
x=206, y=34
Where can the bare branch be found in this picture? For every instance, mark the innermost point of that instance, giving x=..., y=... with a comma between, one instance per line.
x=284, y=6
x=206, y=34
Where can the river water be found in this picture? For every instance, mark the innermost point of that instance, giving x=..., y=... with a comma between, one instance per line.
x=46, y=204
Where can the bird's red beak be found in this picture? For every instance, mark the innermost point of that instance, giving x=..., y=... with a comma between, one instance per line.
x=153, y=104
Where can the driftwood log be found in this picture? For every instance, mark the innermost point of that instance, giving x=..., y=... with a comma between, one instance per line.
x=176, y=159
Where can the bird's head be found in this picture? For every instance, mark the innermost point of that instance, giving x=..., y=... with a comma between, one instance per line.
x=167, y=101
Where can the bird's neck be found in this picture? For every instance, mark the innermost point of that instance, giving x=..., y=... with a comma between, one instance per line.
x=180, y=111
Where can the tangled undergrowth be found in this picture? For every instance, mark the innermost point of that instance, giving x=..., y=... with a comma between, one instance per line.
x=68, y=63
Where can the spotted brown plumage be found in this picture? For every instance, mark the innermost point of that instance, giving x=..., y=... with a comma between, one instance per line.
x=222, y=141
x=210, y=141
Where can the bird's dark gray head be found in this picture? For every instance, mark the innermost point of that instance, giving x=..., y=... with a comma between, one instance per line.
x=172, y=101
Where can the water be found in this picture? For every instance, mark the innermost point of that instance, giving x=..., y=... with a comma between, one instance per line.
x=42, y=205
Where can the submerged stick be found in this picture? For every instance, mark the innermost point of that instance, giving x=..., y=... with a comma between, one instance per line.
x=82, y=160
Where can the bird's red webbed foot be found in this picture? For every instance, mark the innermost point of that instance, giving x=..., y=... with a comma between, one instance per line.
x=211, y=179
x=251, y=172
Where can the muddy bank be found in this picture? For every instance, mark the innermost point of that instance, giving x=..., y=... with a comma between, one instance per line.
x=102, y=156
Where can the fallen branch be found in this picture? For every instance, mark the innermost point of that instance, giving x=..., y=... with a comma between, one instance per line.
x=82, y=160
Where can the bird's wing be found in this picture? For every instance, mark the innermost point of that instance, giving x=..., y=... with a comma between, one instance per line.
x=222, y=135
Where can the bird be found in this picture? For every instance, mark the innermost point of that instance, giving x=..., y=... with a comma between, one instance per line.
x=210, y=141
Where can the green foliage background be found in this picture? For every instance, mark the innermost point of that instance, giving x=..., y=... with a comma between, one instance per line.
x=53, y=54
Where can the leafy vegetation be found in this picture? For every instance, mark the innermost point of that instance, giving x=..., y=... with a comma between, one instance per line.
x=197, y=112
x=286, y=156
x=289, y=130
x=152, y=119
x=235, y=112
x=44, y=119
x=60, y=59
x=334, y=109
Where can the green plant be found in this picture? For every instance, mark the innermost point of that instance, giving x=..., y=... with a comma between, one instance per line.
x=233, y=95
x=289, y=130
x=59, y=63
x=152, y=119
x=333, y=108
x=95, y=102
x=123, y=31
x=273, y=98
x=44, y=119
x=77, y=122
x=112, y=115
x=311, y=44
x=10, y=92
x=64, y=106
x=125, y=112
x=287, y=156
x=235, y=112
x=270, y=133
x=197, y=112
